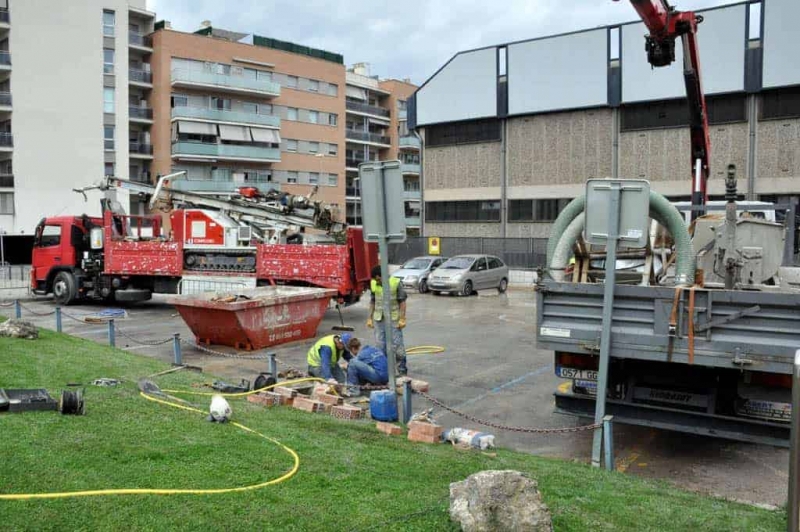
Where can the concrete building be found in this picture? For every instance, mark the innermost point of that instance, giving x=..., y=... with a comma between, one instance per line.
x=73, y=80
x=377, y=130
x=512, y=132
x=236, y=109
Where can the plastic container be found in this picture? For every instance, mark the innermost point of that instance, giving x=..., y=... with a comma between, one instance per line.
x=473, y=438
x=383, y=405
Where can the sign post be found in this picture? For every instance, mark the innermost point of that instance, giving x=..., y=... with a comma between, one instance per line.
x=384, y=219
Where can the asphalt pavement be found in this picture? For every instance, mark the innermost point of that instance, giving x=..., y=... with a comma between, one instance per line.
x=491, y=369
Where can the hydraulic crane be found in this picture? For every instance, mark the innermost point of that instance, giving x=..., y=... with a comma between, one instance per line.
x=665, y=25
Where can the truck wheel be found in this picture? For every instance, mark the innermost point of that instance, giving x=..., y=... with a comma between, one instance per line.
x=64, y=289
x=133, y=295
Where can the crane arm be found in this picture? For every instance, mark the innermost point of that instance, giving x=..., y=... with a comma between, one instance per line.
x=665, y=25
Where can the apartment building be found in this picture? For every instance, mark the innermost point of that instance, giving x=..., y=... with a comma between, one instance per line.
x=72, y=82
x=377, y=130
x=235, y=109
x=512, y=132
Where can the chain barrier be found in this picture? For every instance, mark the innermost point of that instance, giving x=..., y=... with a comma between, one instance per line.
x=7, y=305
x=35, y=313
x=223, y=355
x=528, y=430
x=77, y=319
x=142, y=342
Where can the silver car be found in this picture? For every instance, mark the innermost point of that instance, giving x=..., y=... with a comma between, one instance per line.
x=465, y=274
x=414, y=273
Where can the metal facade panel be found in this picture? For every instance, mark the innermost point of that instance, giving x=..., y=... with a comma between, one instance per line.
x=781, y=66
x=565, y=72
x=721, y=39
x=464, y=89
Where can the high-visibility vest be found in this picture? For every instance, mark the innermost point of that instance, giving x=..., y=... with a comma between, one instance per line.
x=377, y=289
x=313, y=357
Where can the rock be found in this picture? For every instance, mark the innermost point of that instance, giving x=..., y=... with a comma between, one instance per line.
x=494, y=501
x=18, y=329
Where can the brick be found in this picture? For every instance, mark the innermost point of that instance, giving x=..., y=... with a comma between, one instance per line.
x=265, y=399
x=330, y=399
x=308, y=404
x=286, y=392
x=346, y=412
x=422, y=438
x=389, y=428
x=425, y=429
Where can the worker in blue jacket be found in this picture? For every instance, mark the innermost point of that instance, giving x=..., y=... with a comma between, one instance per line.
x=369, y=366
x=323, y=357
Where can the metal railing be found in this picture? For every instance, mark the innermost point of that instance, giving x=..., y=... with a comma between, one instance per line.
x=223, y=115
x=366, y=136
x=230, y=151
x=353, y=163
x=409, y=141
x=352, y=192
x=517, y=253
x=225, y=81
x=6, y=180
x=137, y=39
x=141, y=148
x=144, y=113
x=14, y=277
x=6, y=140
x=5, y=57
x=140, y=76
x=367, y=108
x=5, y=98
x=4, y=17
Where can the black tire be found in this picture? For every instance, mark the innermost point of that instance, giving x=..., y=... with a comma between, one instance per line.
x=65, y=290
x=133, y=295
x=423, y=287
x=436, y=292
x=467, y=290
x=503, y=286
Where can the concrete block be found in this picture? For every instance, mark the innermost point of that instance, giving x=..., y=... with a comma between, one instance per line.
x=308, y=405
x=389, y=428
x=346, y=412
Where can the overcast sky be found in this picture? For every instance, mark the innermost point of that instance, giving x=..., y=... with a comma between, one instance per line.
x=401, y=38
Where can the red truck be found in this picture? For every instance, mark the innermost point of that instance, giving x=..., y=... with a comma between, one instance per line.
x=128, y=258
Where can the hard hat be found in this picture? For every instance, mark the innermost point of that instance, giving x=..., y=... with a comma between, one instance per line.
x=346, y=337
x=220, y=409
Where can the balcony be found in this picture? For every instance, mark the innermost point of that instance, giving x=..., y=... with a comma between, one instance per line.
x=140, y=77
x=140, y=150
x=353, y=163
x=140, y=114
x=5, y=99
x=225, y=152
x=409, y=168
x=6, y=141
x=143, y=177
x=4, y=18
x=412, y=194
x=413, y=221
x=219, y=115
x=219, y=185
x=409, y=142
x=6, y=180
x=365, y=108
x=365, y=136
x=402, y=114
x=139, y=41
x=224, y=83
x=352, y=192
x=5, y=60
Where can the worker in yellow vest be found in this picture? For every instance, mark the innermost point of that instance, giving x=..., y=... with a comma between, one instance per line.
x=398, y=310
x=323, y=357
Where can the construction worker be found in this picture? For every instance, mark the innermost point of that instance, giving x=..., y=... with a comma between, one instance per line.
x=323, y=357
x=369, y=366
x=398, y=310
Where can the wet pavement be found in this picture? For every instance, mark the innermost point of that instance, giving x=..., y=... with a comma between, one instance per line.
x=491, y=369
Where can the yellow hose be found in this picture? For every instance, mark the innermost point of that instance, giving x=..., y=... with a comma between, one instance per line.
x=425, y=350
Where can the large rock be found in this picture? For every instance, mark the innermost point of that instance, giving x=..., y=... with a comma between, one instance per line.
x=492, y=501
x=18, y=329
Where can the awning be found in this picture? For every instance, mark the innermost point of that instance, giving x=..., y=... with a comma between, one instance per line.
x=355, y=92
x=265, y=135
x=237, y=133
x=196, y=128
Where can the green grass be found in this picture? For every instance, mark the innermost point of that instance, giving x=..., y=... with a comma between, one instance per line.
x=351, y=477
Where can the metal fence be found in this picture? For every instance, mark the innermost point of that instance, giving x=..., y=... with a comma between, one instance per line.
x=13, y=277
x=517, y=253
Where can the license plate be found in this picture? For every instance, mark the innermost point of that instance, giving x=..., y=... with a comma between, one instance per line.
x=587, y=387
x=765, y=410
x=572, y=373
x=674, y=397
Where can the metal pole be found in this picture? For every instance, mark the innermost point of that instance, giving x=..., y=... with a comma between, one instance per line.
x=383, y=251
x=112, y=340
x=3, y=251
x=17, y=309
x=58, y=319
x=406, y=401
x=608, y=307
x=788, y=244
x=176, y=349
x=273, y=365
x=793, y=504
x=608, y=442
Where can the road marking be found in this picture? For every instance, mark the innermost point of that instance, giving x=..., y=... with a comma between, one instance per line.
x=506, y=385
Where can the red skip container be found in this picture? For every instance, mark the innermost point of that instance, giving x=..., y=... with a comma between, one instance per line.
x=259, y=318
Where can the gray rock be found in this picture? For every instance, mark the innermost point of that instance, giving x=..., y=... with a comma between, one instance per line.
x=494, y=501
x=18, y=329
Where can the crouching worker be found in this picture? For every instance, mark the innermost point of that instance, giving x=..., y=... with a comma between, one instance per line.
x=368, y=367
x=323, y=357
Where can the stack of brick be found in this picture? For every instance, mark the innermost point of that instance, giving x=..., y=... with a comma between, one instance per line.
x=346, y=412
x=266, y=399
x=308, y=405
x=288, y=394
x=389, y=428
x=329, y=401
x=420, y=431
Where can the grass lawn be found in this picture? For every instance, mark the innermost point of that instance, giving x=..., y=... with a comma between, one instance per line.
x=351, y=477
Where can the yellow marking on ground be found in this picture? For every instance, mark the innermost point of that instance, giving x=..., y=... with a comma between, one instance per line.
x=625, y=463
x=565, y=387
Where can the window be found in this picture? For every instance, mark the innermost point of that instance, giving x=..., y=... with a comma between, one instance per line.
x=263, y=74
x=462, y=211
x=220, y=103
x=109, y=21
x=675, y=113
x=313, y=178
x=249, y=107
x=781, y=103
x=109, y=169
x=313, y=85
x=332, y=119
x=333, y=149
x=265, y=108
x=333, y=89
x=291, y=177
x=291, y=82
x=494, y=263
x=178, y=100
x=313, y=147
x=313, y=117
x=464, y=132
x=333, y=180
x=6, y=203
x=546, y=210
x=291, y=113
x=291, y=145
x=108, y=60
x=520, y=210
x=108, y=99
x=401, y=105
x=51, y=236
x=108, y=137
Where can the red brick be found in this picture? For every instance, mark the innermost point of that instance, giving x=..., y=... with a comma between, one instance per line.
x=389, y=428
x=346, y=412
x=286, y=392
x=329, y=399
x=265, y=399
x=308, y=405
x=425, y=429
x=422, y=438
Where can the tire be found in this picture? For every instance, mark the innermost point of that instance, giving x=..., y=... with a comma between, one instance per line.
x=436, y=292
x=65, y=290
x=132, y=295
x=423, y=287
x=503, y=286
x=467, y=290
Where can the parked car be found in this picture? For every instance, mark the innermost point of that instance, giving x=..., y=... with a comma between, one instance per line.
x=465, y=274
x=414, y=273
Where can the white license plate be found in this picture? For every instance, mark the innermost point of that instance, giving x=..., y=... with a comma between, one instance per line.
x=765, y=410
x=572, y=373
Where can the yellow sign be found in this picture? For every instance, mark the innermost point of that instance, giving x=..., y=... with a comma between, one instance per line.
x=433, y=245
